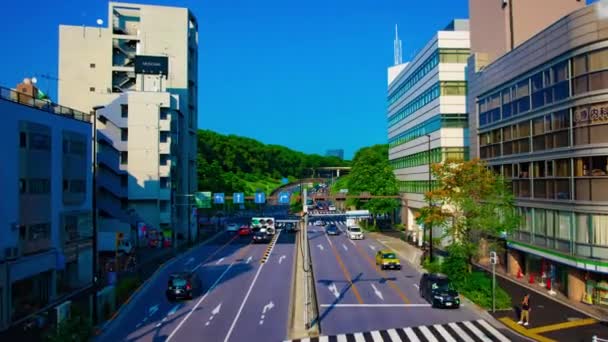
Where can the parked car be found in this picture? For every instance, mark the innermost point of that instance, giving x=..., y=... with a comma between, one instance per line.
x=232, y=227
x=261, y=236
x=332, y=229
x=183, y=285
x=332, y=208
x=354, y=233
x=318, y=223
x=438, y=290
x=244, y=230
x=387, y=259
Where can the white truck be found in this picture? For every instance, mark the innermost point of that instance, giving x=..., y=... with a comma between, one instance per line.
x=350, y=222
x=106, y=243
x=263, y=224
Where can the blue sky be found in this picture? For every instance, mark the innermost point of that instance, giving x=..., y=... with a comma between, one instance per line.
x=310, y=75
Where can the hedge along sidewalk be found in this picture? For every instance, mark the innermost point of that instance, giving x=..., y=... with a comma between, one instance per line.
x=126, y=307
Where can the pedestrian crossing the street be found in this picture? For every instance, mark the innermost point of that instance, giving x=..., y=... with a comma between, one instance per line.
x=470, y=331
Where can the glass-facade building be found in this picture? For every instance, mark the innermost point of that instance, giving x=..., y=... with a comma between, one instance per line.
x=427, y=118
x=540, y=118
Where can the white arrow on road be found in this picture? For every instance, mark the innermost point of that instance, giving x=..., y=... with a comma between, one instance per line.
x=281, y=258
x=320, y=246
x=372, y=247
x=334, y=290
x=219, y=261
x=189, y=261
x=248, y=260
x=344, y=246
x=267, y=307
x=377, y=292
x=213, y=313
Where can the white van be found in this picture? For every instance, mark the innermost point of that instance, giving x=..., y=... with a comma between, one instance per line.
x=354, y=232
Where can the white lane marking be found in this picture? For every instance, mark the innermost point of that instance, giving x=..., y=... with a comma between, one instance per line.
x=416, y=286
x=344, y=246
x=392, y=333
x=476, y=331
x=219, y=261
x=248, y=260
x=492, y=330
x=217, y=281
x=372, y=247
x=174, y=309
x=376, y=305
x=428, y=334
x=161, y=322
x=320, y=246
x=334, y=290
x=377, y=292
x=281, y=258
x=152, y=310
x=267, y=307
x=189, y=261
x=359, y=337
x=463, y=335
x=342, y=338
x=444, y=333
x=196, y=268
x=376, y=336
x=255, y=278
x=411, y=335
x=214, y=313
x=323, y=339
x=138, y=325
x=353, y=242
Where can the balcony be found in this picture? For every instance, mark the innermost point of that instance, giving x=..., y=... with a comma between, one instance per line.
x=28, y=247
x=125, y=20
x=164, y=170
x=164, y=125
x=164, y=148
x=124, y=51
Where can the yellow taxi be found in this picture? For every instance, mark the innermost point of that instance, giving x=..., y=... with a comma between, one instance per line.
x=387, y=259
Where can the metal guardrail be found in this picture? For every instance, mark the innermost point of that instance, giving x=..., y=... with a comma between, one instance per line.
x=597, y=339
x=43, y=105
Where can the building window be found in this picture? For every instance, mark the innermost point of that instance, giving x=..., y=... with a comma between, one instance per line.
x=164, y=206
x=92, y=65
x=450, y=88
x=22, y=186
x=40, y=231
x=78, y=186
x=124, y=157
x=164, y=159
x=411, y=107
x=164, y=182
x=39, y=186
x=91, y=89
x=39, y=141
x=124, y=134
x=76, y=147
x=23, y=139
x=164, y=113
x=66, y=185
x=124, y=110
x=124, y=180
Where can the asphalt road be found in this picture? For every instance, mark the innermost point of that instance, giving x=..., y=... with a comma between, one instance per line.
x=355, y=296
x=242, y=296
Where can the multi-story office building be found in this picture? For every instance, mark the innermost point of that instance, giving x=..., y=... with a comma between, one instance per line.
x=335, y=153
x=427, y=120
x=539, y=113
x=45, y=212
x=151, y=120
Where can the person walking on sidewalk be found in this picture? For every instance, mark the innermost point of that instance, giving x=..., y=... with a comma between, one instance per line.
x=525, y=311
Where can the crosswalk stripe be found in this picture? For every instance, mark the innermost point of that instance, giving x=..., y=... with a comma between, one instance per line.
x=476, y=331
x=376, y=336
x=492, y=330
x=359, y=337
x=342, y=338
x=428, y=334
x=305, y=340
x=444, y=333
x=463, y=335
x=394, y=336
x=411, y=335
x=323, y=339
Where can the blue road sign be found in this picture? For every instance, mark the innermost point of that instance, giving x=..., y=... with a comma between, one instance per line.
x=284, y=197
x=285, y=180
x=218, y=198
x=260, y=197
x=238, y=198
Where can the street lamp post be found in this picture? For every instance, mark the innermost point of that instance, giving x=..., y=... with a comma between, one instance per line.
x=95, y=212
x=430, y=202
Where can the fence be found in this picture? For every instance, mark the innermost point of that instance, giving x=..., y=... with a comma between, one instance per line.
x=44, y=105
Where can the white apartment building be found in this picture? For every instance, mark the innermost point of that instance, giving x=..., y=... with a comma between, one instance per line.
x=45, y=212
x=151, y=120
x=427, y=117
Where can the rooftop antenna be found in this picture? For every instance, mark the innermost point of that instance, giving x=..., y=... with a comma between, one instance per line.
x=398, y=48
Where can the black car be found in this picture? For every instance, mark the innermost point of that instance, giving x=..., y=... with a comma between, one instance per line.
x=260, y=236
x=184, y=285
x=332, y=229
x=438, y=290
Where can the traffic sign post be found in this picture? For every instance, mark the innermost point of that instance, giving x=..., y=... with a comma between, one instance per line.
x=493, y=261
x=260, y=198
x=238, y=198
x=218, y=198
x=284, y=197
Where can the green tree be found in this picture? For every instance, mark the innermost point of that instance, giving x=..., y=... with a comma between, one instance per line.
x=470, y=201
x=371, y=172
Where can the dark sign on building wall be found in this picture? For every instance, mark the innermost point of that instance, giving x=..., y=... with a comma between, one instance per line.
x=152, y=65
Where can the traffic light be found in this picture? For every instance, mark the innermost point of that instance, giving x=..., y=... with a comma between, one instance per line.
x=493, y=258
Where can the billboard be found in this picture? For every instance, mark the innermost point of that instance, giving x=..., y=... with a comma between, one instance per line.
x=202, y=199
x=152, y=65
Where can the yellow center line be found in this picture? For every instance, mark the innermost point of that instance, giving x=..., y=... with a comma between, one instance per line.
x=346, y=274
x=523, y=331
x=563, y=325
x=383, y=275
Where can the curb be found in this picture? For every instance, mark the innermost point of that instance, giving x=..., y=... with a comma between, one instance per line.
x=105, y=327
x=292, y=292
x=532, y=288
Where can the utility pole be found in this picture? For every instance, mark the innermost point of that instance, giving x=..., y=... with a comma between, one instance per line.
x=95, y=213
x=430, y=202
x=493, y=261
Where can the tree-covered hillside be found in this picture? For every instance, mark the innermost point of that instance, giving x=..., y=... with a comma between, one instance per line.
x=230, y=163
